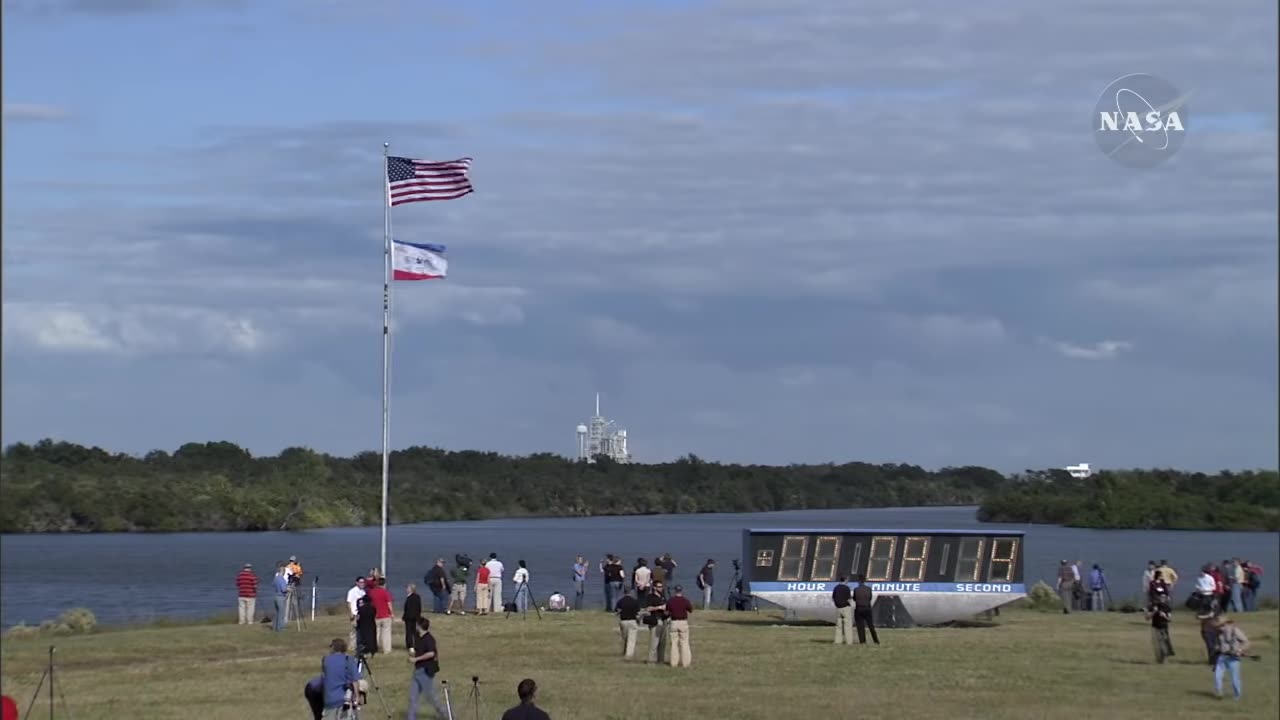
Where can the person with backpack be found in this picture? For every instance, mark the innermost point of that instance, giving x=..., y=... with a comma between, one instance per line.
x=1066, y=586
x=1097, y=589
x=1232, y=645
x=1252, y=581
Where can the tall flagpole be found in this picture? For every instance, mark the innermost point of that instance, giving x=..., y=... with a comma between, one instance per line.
x=386, y=343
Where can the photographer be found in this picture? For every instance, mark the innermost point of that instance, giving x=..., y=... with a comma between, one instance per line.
x=339, y=675
x=458, y=592
x=426, y=664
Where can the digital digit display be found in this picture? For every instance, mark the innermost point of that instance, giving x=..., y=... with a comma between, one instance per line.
x=881, y=558
x=791, y=564
x=764, y=558
x=942, y=564
x=915, y=553
x=855, y=568
x=826, y=551
x=969, y=559
x=1003, y=552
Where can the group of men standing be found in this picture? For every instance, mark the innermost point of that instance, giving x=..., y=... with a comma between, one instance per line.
x=666, y=617
x=286, y=590
x=853, y=606
x=1073, y=591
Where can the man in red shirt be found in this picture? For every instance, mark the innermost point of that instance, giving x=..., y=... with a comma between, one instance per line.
x=380, y=596
x=678, y=609
x=247, y=588
x=482, y=590
x=9, y=708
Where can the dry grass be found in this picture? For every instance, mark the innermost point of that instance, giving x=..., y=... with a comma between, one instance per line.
x=746, y=666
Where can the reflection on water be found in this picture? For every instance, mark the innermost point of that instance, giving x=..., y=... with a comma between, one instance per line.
x=139, y=577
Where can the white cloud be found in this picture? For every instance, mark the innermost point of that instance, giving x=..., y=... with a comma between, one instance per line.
x=33, y=112
x=1104, y=350
x=763, y=228
x=128, y=330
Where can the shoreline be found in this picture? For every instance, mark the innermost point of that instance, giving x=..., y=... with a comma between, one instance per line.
x=262, y=531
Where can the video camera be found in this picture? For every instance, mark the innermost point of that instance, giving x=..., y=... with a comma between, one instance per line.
x=463, y=560
x=737, y=565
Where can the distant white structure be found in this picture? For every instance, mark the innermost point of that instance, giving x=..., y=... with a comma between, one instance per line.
x=598, y=437
x=1080, y=471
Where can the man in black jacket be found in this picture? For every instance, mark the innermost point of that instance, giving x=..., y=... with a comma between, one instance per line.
x=526, y=710
x=628, y=610
x=844, y=613
x=862, y=611
x=438, y=583
x=412, y=611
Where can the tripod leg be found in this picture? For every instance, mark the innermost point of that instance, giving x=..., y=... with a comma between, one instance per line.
x=31, y=705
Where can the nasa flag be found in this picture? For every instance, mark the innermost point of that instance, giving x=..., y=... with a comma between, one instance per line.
x=418, y=261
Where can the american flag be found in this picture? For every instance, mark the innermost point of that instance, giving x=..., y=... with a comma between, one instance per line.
x=410, y=180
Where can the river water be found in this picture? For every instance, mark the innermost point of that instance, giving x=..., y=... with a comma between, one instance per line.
x=127, y=578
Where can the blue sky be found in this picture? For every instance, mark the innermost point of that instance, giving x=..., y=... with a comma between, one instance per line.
x=765, y=230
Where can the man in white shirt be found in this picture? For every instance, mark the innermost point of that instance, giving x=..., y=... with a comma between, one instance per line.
x=353, y=596
x=495, y=582
x=640, y=578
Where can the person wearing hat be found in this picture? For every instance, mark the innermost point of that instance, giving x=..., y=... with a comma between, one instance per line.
x=1066, y=585
x=292, y=576
x=247, y=589
x=1232, y=644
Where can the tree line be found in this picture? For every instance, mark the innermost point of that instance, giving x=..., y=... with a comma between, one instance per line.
x=63, y=487
x=1142, y=500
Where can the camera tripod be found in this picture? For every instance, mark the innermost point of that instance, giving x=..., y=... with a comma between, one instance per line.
x=363, y=669
x=524, y=585
x=293, y=607
x=473, y=698
x=48, y=673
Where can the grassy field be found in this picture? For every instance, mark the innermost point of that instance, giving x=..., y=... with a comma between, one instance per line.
x=746, y=666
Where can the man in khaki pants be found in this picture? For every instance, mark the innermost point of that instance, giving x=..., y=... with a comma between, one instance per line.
x=628, y=609
x=679, y=609
x=844, y=613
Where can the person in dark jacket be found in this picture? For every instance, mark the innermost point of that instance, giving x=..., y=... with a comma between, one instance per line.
x=412, y=611
x=438, y=583
x=844, y=612
x=862, y=612
x=1160, y=615
x=526, y=710
x=366, y=627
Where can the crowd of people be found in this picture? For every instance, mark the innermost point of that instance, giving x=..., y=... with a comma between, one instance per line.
x=646, y=597
x=1217, y=588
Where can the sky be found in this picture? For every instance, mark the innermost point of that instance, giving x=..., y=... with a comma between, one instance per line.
x=766, y=231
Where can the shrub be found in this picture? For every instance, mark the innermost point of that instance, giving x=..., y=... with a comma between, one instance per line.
x=1268, y=603
x=1043, y=598
x=78, y=620
x=21, y=631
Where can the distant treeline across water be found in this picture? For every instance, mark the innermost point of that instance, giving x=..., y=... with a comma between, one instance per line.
x=63, y=487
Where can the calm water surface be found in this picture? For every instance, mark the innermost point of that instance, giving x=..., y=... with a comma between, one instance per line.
x=140, y=577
